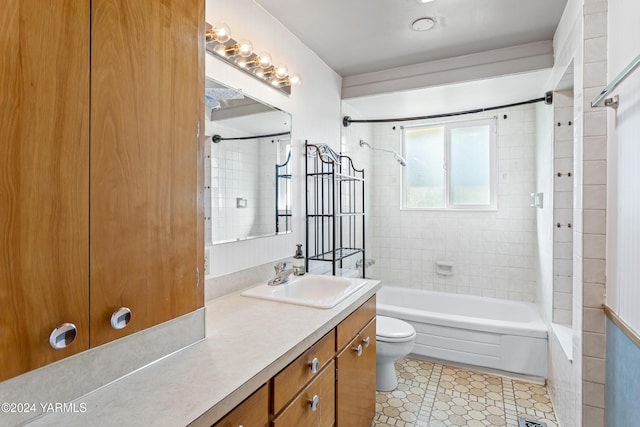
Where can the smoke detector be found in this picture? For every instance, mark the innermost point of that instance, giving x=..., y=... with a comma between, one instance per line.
x=423, y=24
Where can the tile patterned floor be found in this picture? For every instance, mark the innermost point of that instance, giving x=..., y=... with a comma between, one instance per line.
x=434, y=395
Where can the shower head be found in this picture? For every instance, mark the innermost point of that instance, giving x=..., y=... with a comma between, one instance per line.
x=400, y=159
x=396, y=156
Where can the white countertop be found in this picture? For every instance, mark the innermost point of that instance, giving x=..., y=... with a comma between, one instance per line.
x=248, y=341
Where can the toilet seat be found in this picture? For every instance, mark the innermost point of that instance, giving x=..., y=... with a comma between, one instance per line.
x=389, y=329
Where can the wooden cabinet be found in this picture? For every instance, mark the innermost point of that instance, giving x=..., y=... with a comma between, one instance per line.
x=315, y=404
x=320, y=389
x=355, y=322
x=101, y=179
x=253, y=412
x=292, y=379
x=356, y=382
x=147, y=85
x=44, y=187
x=356, y=367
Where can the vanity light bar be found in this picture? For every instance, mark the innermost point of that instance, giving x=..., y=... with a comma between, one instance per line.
x=241, y=55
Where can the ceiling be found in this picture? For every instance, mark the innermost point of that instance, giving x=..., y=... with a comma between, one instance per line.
x=481, y=53
x=362, y=36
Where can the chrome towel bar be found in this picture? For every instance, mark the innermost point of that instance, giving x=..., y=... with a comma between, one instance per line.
x=603, y=99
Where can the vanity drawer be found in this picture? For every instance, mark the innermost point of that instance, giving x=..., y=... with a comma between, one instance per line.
x=315, y=405
x=253, y=412
x=355, y=322
x=292, y=379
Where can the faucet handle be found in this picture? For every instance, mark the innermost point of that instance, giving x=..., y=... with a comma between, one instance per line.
x=280, y=267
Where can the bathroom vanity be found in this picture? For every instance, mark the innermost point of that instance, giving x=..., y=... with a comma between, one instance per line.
x=333, y=382
x=256, y=366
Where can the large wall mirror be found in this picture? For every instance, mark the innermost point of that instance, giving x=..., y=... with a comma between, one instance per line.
x=249, y=147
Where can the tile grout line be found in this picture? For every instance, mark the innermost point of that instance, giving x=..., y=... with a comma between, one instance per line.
x=432, y=390
x=510, y=408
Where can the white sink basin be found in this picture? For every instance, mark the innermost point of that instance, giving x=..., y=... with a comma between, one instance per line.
x=311, y=290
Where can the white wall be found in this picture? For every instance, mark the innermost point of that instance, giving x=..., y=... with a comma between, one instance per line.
x=494, y=252
x=314, y=106
x=623, y=211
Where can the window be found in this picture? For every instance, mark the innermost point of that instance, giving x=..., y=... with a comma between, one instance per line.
x=450, y=166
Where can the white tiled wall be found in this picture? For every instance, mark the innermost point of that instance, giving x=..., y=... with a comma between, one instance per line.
x=239, y=170
x=563, y=207
x=565, y=375
x=594, y=189
x=362, y=159
x=494, y=252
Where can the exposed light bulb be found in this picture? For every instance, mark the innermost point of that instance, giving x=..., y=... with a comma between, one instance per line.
x=265, y=73
x=264, y=60
x=222, y=32
x=281, y=71
x=220, y=49
x=242, y=62
x=244, y=48
x=295, y=80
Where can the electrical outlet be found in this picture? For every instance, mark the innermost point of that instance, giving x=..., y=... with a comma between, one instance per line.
x=207, y=261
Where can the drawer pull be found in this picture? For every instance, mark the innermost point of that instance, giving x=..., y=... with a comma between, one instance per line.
x=314, y=365
x=63, y=336
x=366, y=341
x=358, y=350
x=314, y=402
x=120, y=318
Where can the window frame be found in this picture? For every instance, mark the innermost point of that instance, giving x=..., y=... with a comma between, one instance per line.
x=493, y=166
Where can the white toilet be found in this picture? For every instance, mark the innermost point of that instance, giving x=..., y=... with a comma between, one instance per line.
x=394, y=339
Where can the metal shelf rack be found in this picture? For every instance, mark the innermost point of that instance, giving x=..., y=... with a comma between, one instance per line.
x=283, y=191
x=335, y=214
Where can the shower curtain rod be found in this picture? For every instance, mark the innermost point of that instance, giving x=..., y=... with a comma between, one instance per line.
x=218, y=138
x=548, y=99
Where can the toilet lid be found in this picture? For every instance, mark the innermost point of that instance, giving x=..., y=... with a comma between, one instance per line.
x=393, y=330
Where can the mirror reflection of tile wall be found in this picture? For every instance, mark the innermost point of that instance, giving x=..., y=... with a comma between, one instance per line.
x=240, y=169
x=242, y=188
x=240, y=193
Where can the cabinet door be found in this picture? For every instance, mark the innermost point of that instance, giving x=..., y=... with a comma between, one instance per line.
x=315, y=405
x=44, y=187
x=356, y=384
x=146, y=218
x=253, y=412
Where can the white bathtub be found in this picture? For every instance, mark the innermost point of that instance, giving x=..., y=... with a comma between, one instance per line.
x=489, y=332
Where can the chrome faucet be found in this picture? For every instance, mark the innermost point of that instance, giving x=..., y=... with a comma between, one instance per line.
x=282, y=274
